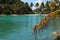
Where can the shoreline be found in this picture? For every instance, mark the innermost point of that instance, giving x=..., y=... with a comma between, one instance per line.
x=24, y=15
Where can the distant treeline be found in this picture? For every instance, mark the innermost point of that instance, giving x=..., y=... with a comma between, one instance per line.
x=47, y=7
x=9, y=7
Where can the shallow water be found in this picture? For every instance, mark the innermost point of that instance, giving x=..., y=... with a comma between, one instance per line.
x=17, y=27
x=46, y=30
x=20, y=28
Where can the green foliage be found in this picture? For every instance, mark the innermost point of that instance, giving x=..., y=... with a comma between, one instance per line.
x=26, y=4
x=31, y=4
x=7, y=12
x=42, y=5
x=52, y=6
x=14, y=7
x=19, y=7
x=37, y=10
x=47, y=6
x=37, y=4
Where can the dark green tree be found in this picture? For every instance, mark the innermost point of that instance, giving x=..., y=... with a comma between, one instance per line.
x=26, y=4
x=37, y=4
x=14, y=7
x=36, y=10
x=42, y=5
x=52, y=6
x=31, y=4
x=47, y=6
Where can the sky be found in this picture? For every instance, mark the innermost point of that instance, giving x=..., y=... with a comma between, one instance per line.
x=35, y=1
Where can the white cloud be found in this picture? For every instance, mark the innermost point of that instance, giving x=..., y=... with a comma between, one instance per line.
x=33, y=7
x=39, y=1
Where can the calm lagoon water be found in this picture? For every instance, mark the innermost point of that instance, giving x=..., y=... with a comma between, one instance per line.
x=20, y=27
x=17, y=27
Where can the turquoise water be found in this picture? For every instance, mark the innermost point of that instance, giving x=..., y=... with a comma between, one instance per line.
x=18, y=27
x=46, y=30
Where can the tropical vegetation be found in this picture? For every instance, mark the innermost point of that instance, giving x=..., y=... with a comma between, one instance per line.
x=9, y=7
x=49, y=6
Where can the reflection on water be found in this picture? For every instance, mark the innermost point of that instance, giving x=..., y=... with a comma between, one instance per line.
x=20, y=28
x=17, y=27
x=45, y=31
